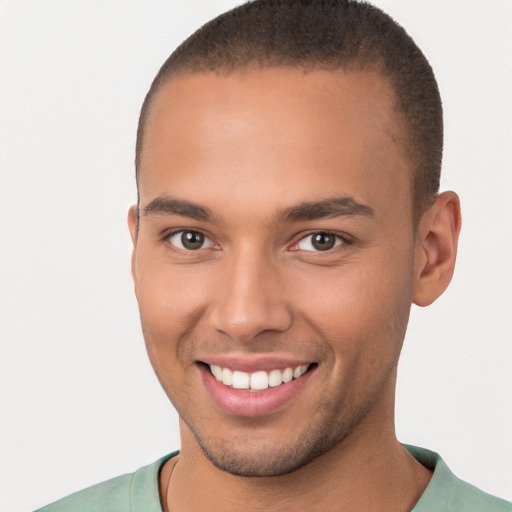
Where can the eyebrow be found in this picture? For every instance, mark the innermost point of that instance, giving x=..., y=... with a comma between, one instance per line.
x=313, y=210
x=324, y=209
x=164, y=205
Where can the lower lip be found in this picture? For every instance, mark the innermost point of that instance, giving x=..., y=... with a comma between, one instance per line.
x=242, y=402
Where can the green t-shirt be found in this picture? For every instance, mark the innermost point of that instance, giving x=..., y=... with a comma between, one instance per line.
x=138, y=492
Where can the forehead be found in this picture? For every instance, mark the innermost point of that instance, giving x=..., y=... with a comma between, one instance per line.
x=279, y=126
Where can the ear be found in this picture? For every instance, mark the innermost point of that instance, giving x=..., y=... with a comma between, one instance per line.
x=133, y=226
x=436, y=248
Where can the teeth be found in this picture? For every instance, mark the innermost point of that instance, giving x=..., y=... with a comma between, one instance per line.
x=300, y=370
x=287, y=375
x=217, y=371
x=259, y=380
x=275, y=378
x=227, y=376
x=240, y=380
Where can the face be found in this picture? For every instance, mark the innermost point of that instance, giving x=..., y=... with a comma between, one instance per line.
x=273, y=263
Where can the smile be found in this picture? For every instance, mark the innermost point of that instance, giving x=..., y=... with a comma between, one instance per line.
x=263, y=388
x=259, y=380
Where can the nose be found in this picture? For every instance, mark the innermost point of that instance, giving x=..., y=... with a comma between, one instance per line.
x=251, y=298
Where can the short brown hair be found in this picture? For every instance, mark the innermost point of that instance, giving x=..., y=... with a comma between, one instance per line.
x=323, y=34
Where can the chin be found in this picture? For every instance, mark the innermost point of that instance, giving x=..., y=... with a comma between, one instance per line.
x=263, y=459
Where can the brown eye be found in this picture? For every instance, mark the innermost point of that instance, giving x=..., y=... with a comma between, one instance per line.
x=321, y=241
x=190, y=240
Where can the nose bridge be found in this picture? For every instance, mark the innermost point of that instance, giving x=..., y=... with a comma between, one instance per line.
x=251, y=297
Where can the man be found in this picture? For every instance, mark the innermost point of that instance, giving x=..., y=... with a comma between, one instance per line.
x=288, y=161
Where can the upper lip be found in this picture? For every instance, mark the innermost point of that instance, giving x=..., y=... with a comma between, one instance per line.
x=254, y=363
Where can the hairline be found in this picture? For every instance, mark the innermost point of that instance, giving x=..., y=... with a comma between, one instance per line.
x=359, y=63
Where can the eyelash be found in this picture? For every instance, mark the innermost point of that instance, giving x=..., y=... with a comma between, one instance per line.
x=340, y=240
x=169, y=236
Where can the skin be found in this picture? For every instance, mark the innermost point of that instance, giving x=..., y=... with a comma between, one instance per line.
x=248, y=146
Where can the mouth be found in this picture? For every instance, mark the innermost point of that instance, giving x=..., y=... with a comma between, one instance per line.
x=256, y=392
x=258, y=380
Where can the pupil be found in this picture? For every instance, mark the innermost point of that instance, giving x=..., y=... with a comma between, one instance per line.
x=191, y=240
x=323, y=241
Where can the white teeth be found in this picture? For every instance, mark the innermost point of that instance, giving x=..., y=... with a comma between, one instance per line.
x=227, y=376
x=300, y=370
x=259, y=380
x=217, y=371
x=240, y=380
x=275, y=378
x=287, y=375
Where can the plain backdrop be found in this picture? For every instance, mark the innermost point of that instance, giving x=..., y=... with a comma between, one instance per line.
x=79, y=401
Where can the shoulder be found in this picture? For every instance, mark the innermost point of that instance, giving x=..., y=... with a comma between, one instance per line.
x=447, y=493
x=132, y=492
x=110, y=495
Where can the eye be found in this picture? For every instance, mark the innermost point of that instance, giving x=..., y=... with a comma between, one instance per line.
x=188, y=240
x=321, y=241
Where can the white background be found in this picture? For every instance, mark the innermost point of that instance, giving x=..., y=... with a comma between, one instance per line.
x=79, y=402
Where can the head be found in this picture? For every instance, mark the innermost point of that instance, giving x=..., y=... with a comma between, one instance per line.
x=288, y=162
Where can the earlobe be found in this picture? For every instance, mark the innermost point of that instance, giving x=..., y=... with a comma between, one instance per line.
x=436, y=248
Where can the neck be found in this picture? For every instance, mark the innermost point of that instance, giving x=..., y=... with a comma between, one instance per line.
x=369, y=470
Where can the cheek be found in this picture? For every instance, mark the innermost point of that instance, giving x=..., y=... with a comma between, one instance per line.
x=362, y=306
x=171, y=302
x=168, y=294
x=167, y=302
